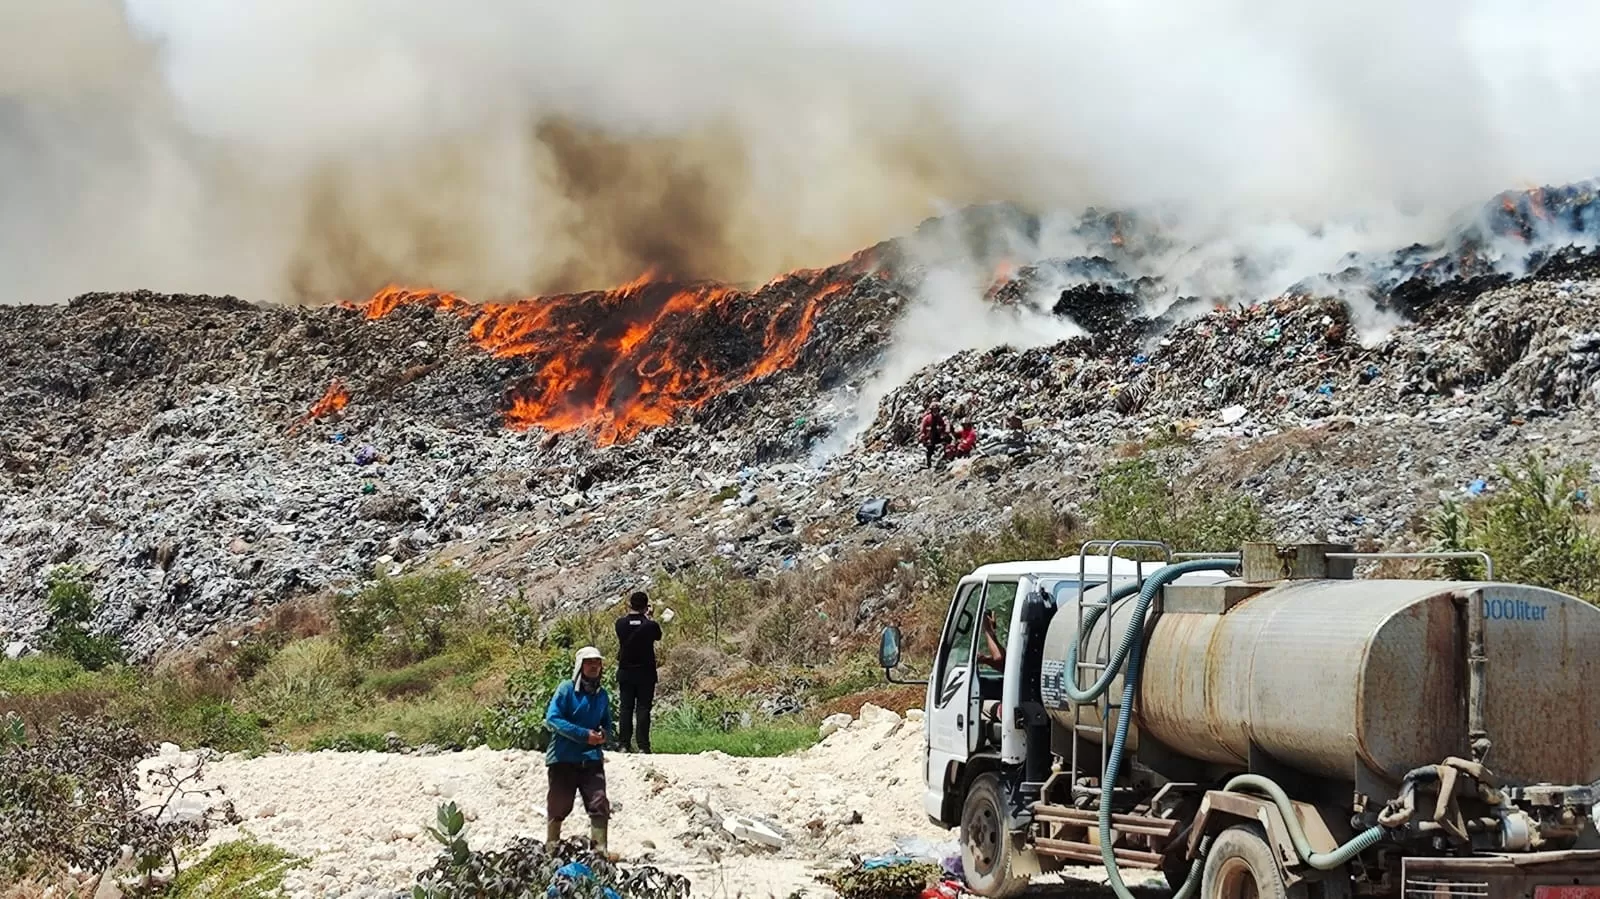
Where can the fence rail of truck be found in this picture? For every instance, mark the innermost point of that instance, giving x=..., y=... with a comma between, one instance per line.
x=1264, y=725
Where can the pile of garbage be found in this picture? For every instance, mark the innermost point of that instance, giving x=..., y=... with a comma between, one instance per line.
x=204, y=459
x=916, y=869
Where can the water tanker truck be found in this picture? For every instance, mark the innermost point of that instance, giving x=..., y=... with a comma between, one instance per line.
x=1264, y=725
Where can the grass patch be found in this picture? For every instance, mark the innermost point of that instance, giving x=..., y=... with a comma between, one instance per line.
x=237, y=869
x=41, y=675
x=308, y=681
x=456, y=668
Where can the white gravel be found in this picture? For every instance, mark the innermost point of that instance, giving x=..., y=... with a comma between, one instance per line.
x=359, y=817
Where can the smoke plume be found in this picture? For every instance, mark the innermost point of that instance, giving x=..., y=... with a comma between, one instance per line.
x=304, y=150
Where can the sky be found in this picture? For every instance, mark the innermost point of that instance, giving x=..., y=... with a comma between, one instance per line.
x=311, y=150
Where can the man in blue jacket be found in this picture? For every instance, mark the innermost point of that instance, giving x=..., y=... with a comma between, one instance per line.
x=579, y=718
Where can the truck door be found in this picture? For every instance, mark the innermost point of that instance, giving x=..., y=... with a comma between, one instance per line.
x=951, y=688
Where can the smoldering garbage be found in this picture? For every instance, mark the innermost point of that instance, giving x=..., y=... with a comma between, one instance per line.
x=165, y=444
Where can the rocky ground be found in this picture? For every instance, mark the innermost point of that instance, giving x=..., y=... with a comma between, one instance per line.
x=165, y=443
x=858, y=792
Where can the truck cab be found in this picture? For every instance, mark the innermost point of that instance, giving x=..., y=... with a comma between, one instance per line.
x=978, y=704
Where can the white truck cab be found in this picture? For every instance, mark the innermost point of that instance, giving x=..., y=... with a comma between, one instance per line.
x=976, y=718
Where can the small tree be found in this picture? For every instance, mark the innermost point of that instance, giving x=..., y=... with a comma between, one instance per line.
x=405, y=619
x=1134, y=500
x=69, y=599
x=70, y=797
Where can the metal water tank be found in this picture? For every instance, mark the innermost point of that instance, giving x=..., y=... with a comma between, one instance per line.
x=1321, y=675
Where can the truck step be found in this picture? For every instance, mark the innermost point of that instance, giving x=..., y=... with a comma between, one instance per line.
x=1082, y=817
x=1083, y=852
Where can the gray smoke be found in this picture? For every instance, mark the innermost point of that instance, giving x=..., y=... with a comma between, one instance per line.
x=310, y=150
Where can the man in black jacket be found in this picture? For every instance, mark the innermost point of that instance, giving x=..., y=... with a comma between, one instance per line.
x=637, y=634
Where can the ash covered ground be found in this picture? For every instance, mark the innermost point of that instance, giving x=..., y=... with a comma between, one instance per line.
x=165, y=443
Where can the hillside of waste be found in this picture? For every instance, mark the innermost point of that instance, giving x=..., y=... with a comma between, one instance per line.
x=207, y=458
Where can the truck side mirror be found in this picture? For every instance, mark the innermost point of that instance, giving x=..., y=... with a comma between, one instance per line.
x=889, y=648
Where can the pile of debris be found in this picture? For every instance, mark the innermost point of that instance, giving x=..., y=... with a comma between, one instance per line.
x=205, y=459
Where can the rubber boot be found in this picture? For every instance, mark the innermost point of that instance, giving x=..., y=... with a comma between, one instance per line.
x=597, y=833
x=552, y=832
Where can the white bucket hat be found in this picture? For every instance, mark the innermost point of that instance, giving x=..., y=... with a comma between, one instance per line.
x=588, y=652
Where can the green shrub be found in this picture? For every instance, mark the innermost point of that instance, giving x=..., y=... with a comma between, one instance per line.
x=69, y=599
x=528, y=867
x=1132, y=499
x=255, y=651
x=217, y=724
x=237, y=869
x=710, y=601
x=1534, y=529
x=517, y=720
x=308, y=681
x=792, y=631
x=401, y=620
x=70, y=797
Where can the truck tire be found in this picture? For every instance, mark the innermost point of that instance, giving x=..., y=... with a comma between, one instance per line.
x=992, y=858
x=1241, y=865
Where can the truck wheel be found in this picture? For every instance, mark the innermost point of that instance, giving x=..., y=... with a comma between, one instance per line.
x=1241, y=865
x=994, y=862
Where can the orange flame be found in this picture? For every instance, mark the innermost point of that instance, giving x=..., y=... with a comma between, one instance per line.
x=638, y=355
x=333, y=400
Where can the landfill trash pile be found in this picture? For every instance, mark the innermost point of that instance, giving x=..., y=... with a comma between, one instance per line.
x=204, y=459
x=1355, y=430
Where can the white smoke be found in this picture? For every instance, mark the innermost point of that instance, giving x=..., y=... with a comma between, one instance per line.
x=301, y=148
x=317, y=149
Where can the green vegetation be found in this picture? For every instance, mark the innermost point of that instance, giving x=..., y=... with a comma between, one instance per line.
x=237, y=869
x=1538, y=528
x=403, y=620
x=70, y=602
x=1133, y=499
x=527, y=867
x=70, y=798
x=423, y=659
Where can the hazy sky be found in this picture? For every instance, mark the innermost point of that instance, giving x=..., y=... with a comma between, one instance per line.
x=310, y=149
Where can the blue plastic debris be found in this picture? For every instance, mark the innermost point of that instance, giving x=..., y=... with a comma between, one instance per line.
x=1477, y=487
x=1326, y=390
x=887, y=861
x=576, y=871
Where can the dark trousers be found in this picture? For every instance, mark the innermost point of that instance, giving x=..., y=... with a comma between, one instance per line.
x=586, y=780
x=638, y=689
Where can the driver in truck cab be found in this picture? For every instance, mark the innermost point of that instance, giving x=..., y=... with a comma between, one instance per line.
x=993, y=654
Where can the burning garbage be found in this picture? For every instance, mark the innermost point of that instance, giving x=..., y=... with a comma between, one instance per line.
x=639, y=355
